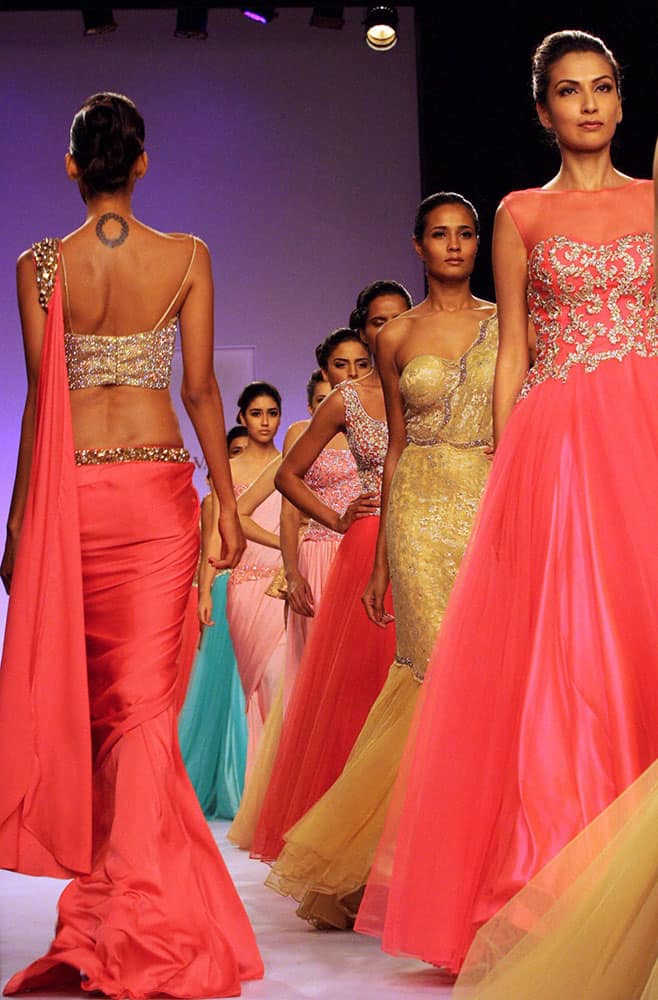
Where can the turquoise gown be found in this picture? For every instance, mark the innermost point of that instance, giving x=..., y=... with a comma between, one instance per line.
x=212, y=726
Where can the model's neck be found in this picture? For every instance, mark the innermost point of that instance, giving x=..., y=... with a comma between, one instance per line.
x=118, y=204
x=586, y=171
x=451, y=296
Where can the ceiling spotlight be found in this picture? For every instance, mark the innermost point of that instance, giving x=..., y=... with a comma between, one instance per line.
x=327, y=15
x=98, y=21
x=262, y=13
x=191, y=22
x=381, y=24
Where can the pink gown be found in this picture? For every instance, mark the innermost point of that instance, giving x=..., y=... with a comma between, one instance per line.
x=541, y=703
x=256, y=623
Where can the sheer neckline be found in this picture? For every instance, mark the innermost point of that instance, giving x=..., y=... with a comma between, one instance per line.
x=479, y=337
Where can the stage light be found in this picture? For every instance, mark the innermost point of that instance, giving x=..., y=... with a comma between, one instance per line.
x=262, y=13
x=327, y=15
x=191, y=22
x=381, y=24
x=98, y=21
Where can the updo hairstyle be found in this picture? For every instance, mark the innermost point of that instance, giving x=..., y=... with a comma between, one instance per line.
x=359, y=315
x=235, y=432
x=107, y=136
x=559, y=44
x=433, y=201
x=317, y=376
x=340, y=336
x=252, y=391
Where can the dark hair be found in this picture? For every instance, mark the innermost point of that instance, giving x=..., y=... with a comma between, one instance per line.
x=107, y=136
x=317, y=376
x=559, y=44
x=359, y=314
x=255, y=389
x=433, y=201
x=235, y=432
x=340, y=336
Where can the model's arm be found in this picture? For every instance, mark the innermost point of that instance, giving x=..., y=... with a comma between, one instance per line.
x=209, y=540
x=328, y=420
x=655, y=203
x=300, y=595
x=33, y=324
x=203, y=402
x=388, y=342
x=510, y=266
x=261, y=488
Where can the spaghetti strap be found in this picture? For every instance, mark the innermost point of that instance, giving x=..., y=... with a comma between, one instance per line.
x=179, y=289
x=66, y=290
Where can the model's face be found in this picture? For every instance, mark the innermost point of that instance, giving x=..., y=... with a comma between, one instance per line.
x=449, y=245
x=583, y=106
x=320, y=391
x=380, y=311
x=262, y=419
x=238, y=445
x=348, y=360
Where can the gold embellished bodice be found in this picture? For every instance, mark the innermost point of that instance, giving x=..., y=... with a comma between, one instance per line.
x=437, y=486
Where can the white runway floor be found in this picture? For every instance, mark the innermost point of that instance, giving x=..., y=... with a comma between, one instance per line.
x=300, y=963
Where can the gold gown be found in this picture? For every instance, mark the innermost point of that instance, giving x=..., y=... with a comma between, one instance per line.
x=434, y=496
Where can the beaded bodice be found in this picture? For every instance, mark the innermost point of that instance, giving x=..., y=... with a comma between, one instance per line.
x=591, y=289
x=334, y=478
x=448, y=402
x=367, y=438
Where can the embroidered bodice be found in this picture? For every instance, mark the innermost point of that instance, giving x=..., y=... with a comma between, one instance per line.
x=449, y=401
x=591, y=289
x=367, y=438
x=138, y=359
x=334, y=478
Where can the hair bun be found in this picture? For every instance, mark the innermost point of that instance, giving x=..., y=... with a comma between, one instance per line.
x=107, y=136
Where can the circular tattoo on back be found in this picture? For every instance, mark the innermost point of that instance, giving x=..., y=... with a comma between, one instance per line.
x=110, y=241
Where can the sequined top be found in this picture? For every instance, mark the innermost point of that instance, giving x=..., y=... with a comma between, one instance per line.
x=591, y=289
x=139, y=359
x=334, y=478
x=367, y=438
x=436, y=487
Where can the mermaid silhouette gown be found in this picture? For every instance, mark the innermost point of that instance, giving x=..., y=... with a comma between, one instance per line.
x=97, y=790
x=344, y=664
x=433, y=500
x=541, y=704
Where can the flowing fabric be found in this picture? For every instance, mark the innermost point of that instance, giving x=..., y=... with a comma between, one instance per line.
x=586, y=925
x=256, y=624
x=188, y=646
x=541, y=705
x=212, y=727
x=158, y=913
x=45, y=763
x=343, y=668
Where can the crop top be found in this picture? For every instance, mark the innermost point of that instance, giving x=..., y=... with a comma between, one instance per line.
x=138, y=359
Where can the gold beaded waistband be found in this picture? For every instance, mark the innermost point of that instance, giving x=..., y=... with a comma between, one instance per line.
x=140, y=453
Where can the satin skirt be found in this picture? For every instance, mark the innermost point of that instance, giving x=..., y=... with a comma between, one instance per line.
x=343, y=669
x=189, y=645
x=315, y=559
x=158, y=913
x=541, y=703
x=212, y=727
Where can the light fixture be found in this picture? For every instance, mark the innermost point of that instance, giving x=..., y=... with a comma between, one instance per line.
x=191, y=22
x=262, y=13
x=327, y=15
x=381, y=24
x=98, y=20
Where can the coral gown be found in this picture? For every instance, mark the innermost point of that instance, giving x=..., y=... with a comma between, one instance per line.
x=541, y=704
x=345, y=661
x=87, y=702
x=333, y=477
x=433, y=500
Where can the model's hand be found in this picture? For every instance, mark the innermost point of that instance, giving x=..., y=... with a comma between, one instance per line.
x=8, y=560
x=233, y=543
x=300, y=595
x=204, y=609
x=373, y=598
x=364, y=506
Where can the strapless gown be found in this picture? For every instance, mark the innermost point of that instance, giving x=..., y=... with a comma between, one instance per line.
x=541, y=704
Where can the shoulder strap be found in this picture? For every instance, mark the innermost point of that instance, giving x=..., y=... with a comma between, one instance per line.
x=66, y=291
x=46, y=254
x=179, y=289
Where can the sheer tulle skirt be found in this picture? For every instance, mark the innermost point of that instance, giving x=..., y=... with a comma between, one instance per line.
x=540, y=705
x=212, y=726
x=343, y=669
x=158, y=913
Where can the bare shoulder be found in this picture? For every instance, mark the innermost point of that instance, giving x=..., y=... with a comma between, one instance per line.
x=484, y=308
x=294, y=431
x=395, y=331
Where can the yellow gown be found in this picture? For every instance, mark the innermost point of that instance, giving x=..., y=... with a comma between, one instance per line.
x=433, y=500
